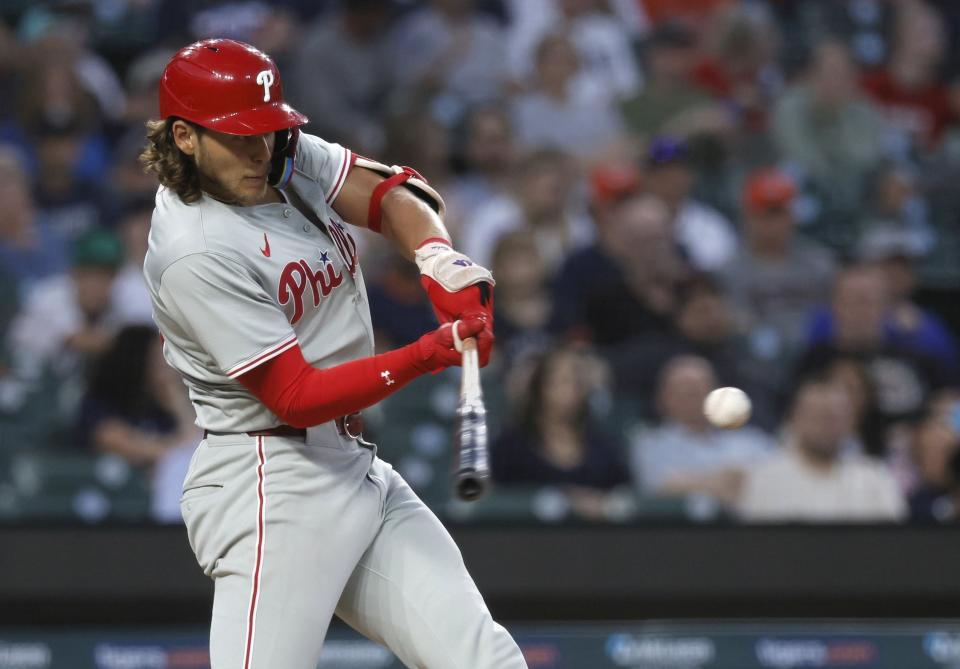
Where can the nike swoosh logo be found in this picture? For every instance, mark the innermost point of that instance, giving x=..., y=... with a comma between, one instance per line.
x=266, y=249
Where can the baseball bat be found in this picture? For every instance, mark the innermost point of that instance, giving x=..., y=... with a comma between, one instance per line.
x=471, y=476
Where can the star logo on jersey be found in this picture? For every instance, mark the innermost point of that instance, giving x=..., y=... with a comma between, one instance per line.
x=386, y=377
x=325, y=257
x=266, y=246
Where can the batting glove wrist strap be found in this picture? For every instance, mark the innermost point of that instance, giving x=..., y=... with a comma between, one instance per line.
x=451, y=269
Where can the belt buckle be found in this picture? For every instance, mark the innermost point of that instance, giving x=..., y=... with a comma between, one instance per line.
x=352, y=427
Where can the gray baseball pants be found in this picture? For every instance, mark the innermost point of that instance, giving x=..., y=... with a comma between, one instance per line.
x=293, y=531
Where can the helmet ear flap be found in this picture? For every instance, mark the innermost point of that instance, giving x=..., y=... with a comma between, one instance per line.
x=284, y=151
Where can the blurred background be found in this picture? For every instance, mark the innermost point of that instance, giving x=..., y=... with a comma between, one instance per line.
x=673, y=195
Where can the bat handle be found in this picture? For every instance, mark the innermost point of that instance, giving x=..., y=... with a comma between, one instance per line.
x=470, y=378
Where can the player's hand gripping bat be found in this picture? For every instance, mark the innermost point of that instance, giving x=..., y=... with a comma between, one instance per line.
x=471, y=474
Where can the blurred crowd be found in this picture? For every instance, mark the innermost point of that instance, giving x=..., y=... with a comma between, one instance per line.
x=673, y=196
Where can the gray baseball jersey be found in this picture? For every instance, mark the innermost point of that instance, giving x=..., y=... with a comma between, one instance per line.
x=234, y=286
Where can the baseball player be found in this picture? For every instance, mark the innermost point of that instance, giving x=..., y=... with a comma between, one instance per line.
x=260, y=299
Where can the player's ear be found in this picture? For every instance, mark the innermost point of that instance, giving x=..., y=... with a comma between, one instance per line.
x=184, y=136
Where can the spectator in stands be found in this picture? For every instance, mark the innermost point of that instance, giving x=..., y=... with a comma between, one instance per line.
x=69, y=319
x=67, y=201
x=415, y=137
x=487, y=156
x=128, y=182
x=907, y=324
x=343, y=52
x=936, y=456
x=553, y=440
x=133, y=407
x=701, y=324
x=706, y=237
x=29, y=248
x=669, y=101
x=739, y=67
x=776, y=276
x=140, y=84
x=523, y=297
x=398, y=304
x=624, y=285
x=685, y=455
x=449, y=51
x=552, y=115
x=828, y=130
x=55, y=38
x=812, y=479
x=908, y=88
x=897, y=207
x=704, y=325
x=54, y=99
x=130, y=293
x=541, y=201
x=903, y=378
x=851, y=374
x=137, y=407
x=609, y=69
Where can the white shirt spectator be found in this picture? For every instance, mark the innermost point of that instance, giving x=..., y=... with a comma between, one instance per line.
x=167, y=483
x=580, y=127
x=131, y=298
x=787, y=488
x=705, y=235
x=502, y=214
x=659, y=454
x=609, y=69
x=47, y=318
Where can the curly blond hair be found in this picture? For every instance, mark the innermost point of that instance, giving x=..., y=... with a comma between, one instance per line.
x=175, y=169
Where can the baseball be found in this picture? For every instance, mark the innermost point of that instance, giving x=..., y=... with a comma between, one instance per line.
x=727, y=408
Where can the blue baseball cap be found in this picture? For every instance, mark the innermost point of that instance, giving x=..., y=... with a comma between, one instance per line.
x=665, y=150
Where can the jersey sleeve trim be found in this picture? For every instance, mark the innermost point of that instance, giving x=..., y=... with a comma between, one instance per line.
x=260, y=358
x=348, y=159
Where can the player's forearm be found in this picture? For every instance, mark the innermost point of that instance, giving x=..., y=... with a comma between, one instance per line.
x=302, y=395
x=409, y=221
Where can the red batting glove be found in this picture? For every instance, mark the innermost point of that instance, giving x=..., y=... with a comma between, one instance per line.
x=475, y=300
x=436, y=350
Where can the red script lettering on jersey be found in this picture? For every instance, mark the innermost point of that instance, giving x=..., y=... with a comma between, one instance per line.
x=297, y=276
x=345, y=244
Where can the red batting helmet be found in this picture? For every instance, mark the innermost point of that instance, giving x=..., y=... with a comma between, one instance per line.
x=226, y=86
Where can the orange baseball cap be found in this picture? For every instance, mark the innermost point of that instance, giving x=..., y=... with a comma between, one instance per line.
x=768, y=188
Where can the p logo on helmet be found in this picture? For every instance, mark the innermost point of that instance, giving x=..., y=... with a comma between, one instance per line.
x=265, y=79
x=226, y=86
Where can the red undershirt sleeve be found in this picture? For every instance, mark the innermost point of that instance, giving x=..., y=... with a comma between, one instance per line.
x=303, y=395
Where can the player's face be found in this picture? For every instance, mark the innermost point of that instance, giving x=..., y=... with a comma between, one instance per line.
x=232, y=168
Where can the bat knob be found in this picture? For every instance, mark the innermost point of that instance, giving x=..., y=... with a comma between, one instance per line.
x=472, y=472
x=471, y=485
